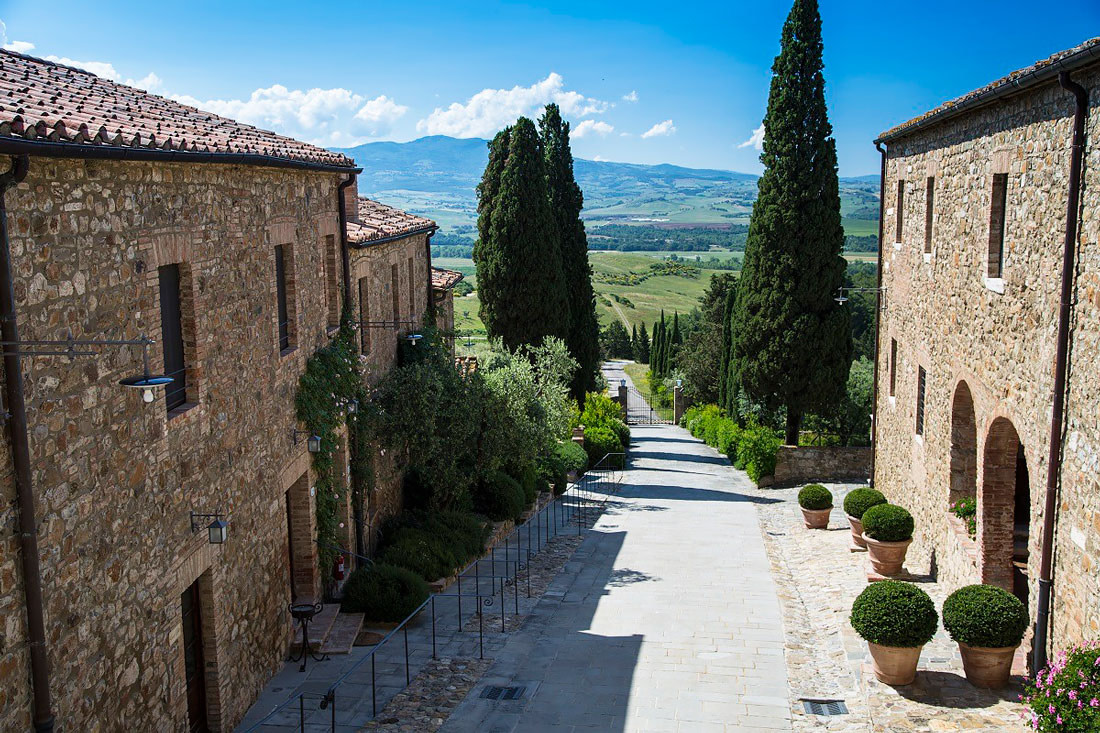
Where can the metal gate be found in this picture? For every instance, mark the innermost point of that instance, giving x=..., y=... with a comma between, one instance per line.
x=644, y=408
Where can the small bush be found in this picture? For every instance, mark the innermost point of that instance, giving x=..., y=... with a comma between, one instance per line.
x=573, y=456
x=892, y=613
x=757, y=450
x=815, y=496
x=1065, y=695
x=966, y=509
x=858, y=501
x=500, y=497
x=528, y=479
x=622, y=432
x=888, y=523
x=728, y=435
x=984, y=615
x=383, y=593
x=422, y=553
x=710, y=432
x=598, y=442
x=599, y=409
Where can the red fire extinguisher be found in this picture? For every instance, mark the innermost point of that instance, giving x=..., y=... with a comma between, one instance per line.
x=338, y=568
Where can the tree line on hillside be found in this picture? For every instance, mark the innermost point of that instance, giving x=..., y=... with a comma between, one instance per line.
x=533, y=276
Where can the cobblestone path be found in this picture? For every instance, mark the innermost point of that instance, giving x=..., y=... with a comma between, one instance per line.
x=666, y=618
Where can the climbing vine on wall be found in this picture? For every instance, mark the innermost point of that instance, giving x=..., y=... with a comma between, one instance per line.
x=331, y=379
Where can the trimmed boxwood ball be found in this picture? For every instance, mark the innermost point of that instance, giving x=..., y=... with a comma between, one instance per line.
x=815, y=496
x=892, y=613
x=500, y=497
x=384, y=593
x=985, y=615
x=888, y=523
x=858, y=501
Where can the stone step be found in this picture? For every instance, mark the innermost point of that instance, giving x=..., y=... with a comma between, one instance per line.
x=341, y=636
x=318, y=628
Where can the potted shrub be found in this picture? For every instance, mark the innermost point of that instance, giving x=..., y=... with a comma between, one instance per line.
x=1065, y=695
x=988, y=623
x=896, y=620
x=817, y=503
x=856, y=503
x=887, y=532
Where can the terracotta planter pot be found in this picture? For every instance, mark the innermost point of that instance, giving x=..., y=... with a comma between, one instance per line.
x=987, y=666
x=858, y=545
x=886, y=557
x=816, y=518
x=895, y=665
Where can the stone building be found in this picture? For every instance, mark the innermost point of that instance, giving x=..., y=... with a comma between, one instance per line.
x=443, y=295
x=976, y=195
x=138, y=216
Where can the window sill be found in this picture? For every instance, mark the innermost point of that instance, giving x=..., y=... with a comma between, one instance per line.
x=287, y=351
x=187, y=408
x=897, y=246
x=893, y=401
x=927, y=257
x=996, y=284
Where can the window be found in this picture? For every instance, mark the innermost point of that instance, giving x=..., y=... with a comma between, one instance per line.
x=893, y=365
x=283, y=295
x=412, y=288
x=395, y=286
x=929, y=203
x=364, y=317
x=171, y=336
x=332, y=296
x=899, y=218
x=997, y=225
x=921, y=378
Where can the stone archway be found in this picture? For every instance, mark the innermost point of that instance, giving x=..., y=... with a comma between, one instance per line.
x=964, y=446
x=1004, y=510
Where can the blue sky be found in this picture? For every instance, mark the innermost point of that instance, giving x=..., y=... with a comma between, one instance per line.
x=643, y=82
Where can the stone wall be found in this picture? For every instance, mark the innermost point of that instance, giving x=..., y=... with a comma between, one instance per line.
x=115, y=478
x=987, y=346
x=796, y=465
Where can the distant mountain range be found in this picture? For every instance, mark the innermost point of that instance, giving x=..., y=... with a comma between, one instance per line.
x=437, y=177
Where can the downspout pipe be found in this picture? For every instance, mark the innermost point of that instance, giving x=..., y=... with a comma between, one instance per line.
x=1061, y=367
x=21, y=460
x=878, y=309
x=345, y=257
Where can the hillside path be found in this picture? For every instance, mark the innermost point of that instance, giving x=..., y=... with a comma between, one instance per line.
x=666, y=618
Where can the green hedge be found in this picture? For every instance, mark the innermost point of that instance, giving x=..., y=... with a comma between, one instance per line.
x=815, y=497
x=573, y=456
x=892, y=613
x=984, y=615
x=499, y=497
x=383, y=593
x=598, y=442
x=888, y=523
x=752, y=448
x=604, y=430
x=433, y=546
x=858, y=501
x=757, y=451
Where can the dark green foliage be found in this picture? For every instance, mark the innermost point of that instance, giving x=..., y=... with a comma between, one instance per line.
x=599, y=441
x=888, y=523
x=528, y=479
x=757, y=451
x=702, y=357
x=384, y=593
x=499, y=497
x=791, y=343
x=892, y=613
x=420, y=552
x=753, y=448
x=566, y=202
x=815, y=496
x=858, y=501
x=861, y=305
x=966, y=509
x=552, y=470
x=642, y=346
x=600, y=411
x=985, y=615
x=642, y=238
x=615, y=342
x=1075, y=670
x=433, y=544
x=521, y=283
x=572, y=456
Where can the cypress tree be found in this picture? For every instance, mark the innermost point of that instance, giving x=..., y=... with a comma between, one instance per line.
x=566, y=202
x=724, y=358
x=791, y=343
x=519, y=271
x=655, y=352
x=634, y=342
x=643, y=345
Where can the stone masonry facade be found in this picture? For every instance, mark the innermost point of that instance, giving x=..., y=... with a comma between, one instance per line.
x=976, y=332
x=116, y=479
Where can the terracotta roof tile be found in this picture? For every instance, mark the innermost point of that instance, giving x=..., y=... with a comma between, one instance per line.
x=47, y=102
x=1090, y=48
x=445, y=279
x=378, y=221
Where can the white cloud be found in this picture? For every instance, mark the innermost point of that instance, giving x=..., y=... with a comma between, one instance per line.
x=660, y=129
x=632, y=97
x=322, y=116
x=593, y=127
x=150, y=82
x=99, y=68
x=757, y=139
x=492, y=109
x=599, y=159
x=17, y=46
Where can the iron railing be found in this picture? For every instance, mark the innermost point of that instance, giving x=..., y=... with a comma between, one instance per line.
x=579, y=505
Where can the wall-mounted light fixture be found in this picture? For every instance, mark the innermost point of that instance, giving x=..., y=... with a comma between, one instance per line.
x=352, y=406
x=217, y=530
x=841, y=298
x=313, y=442
x=412, y=338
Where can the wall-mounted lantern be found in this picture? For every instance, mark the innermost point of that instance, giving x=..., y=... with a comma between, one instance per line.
x=313, y=442
x=217, y=530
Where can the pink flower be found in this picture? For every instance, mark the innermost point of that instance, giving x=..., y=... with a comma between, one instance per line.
x=1072, y=694
x=1094, y=703
x=1059, y=720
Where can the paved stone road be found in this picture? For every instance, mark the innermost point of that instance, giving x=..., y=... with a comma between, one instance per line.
x=666, y=618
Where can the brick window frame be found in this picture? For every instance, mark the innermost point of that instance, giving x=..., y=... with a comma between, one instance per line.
x=364, y=315
x=395, y=291
x=929, y=212
x=893, y=367
x=412, y=286
x=899, y=212
x=188, y=328
x=285, y=293
x=998, y=205
x=332, y=288
x=922, y=387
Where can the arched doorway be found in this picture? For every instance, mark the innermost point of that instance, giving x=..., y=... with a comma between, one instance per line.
x=1004, y=508
x=964, y=446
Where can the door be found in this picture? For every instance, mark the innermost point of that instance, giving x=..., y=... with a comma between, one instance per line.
x=193, y=660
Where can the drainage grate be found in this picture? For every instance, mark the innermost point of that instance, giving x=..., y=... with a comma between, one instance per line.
x=825, y=707
x=503, y=693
